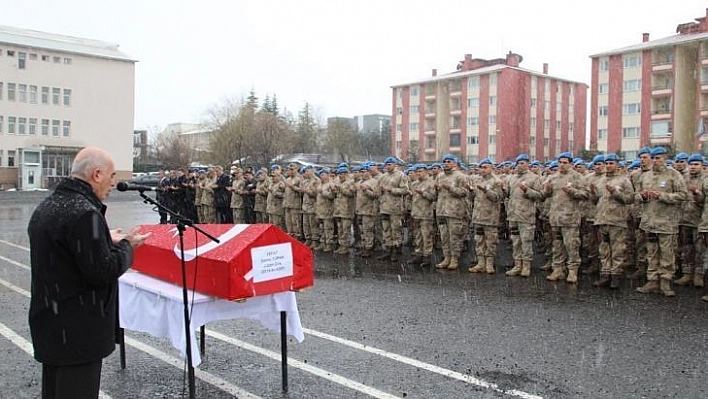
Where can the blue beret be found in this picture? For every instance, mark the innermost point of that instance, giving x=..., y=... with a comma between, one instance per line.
x=522, y=157
x=485, y=161
x=274, y=166
x=390, y=160
x=578, y=161
x=342, y=171
x=365, y=167
x=598, y=159
x=658, y=151
x=611, y=157
x=681, y=156
x=437, y=165
x=419, y=166
x=696, y=158
x=567, y=155
x=449, y=157
x=356, y=168
x=463, y=166
x=644, y=150
x=535, y=163
x=553, y=164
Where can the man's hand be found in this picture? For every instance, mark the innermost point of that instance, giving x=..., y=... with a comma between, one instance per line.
x=134, y=237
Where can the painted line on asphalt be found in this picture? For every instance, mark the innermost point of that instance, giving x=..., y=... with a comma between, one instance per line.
x=422, y=365
x=12, y=244
x=26, y=346
x=173, y=361
x=18, y=264
x=346, y=382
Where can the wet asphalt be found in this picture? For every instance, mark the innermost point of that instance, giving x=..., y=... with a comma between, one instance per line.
x=377, y=329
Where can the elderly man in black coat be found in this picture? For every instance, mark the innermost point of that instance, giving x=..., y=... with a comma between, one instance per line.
x=76, y=261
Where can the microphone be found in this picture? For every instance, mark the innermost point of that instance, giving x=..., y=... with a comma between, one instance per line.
x=123, y=186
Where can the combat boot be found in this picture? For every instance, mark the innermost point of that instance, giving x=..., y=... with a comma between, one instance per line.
x=415, y=260
x=639, y=273
x=686, y=279
x=320, y=247
x=342, y=250
x=572, y=276
x=308, y=243
x=665, y=286
x=525, y=268
x=547, y=266
x=616, y=281
x=454, y=263
x=425, y=261
x=396, y=253
x=444, y=264
x=592, y=268
x=516, y=270
x=558, y=274
x=480, y=267
x=705, y=298
x=328, y=248
x=490, y=265
x=365, y=253
x=698, y=280
x=603, y=282
x=650, y=287
x=386, y=255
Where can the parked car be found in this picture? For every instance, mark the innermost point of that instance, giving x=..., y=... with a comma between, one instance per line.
x=145, y=180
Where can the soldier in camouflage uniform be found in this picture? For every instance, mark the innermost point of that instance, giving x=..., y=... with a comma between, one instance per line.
x=344, y=203
x=422, y=204
x=274, y=202
x=565, y=190
x=292, y=202
x=393, y=185
x=259, y=206
x=209, y=208
x=524, y=189
x=488, y=196
x=367, y=194
x=613, y=193
x=324, y=206
x=452, y=188
x=590, y=232
x=237, y=188
x=662, y=192
x=691, y=242
x=310, y=227
x=640, y=245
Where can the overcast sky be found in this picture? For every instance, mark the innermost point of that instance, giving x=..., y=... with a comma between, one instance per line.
x=341, y=57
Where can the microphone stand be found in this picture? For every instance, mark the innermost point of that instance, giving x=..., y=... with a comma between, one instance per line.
x=182, y=224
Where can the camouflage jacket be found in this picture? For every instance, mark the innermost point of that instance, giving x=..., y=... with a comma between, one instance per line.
x=293, y=197
x=612, y=208
x=521, y=206
x=693, y=207
x=345, y=199
x=567, y=191
x=662, y=215
x=488, y=195
x=309, y=193
x=422, y=198
x=366, y=197
x=276, y=193
x=324, y=206
x=452, y=189
x=236, y=199
x=261, y=196
x=392, y=186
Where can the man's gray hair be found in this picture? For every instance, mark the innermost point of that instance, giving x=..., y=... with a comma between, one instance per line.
x=87, y=160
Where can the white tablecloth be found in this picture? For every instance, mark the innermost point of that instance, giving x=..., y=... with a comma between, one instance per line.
x=155, y=307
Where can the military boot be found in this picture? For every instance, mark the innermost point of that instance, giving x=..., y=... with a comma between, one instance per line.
x=650, y=287
x=426, y=261
x=592, y=268
x=320, y=247
x=386, y=255
x=705, y=298
x=396, y=253
x=308, y=243
x=454, y=263
x=639, y=273
x=365, y=253
x=416, y=260
x=547, y=266
x=516, y=270
x=698, y=280
x=328, y=248
x=616, y=281
x=686, y=279
x=525, y=268
x=665, y=286
x=558, y=274
x=603, y=282
x=480, y=267
x=444, y=264
x=342, y=250
x=490, y=265
x=572, y=275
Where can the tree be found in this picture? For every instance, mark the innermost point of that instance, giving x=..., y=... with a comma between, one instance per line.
x=173, y=150
x=342, y=139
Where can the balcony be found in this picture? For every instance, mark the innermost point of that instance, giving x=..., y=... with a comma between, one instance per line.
x=662, y=90
x=429, y=95
x=455, y=111
x=429, y=115
x=429, y=150
x=662, y=67
x=429, y=131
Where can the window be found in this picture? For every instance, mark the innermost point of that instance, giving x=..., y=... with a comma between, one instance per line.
x=533, y=121
x=492, y=139
x=473, y=82
x=22, y=126
x=10, y=92
x=11, y=156
x=455, y=140
x=473, y=140
x=1, y=90
x=21, y=60
x=430, y=142
x=22, y=92
x=632, y=61
x=33, y=57
x=57, y=60
x=473, y=121
x=603, y=88
x=559, y=107
x=533, y=103
x=571, y=127
x=414, y=127
x=33, y=94
x=45, y=95
x=11, y=121
x=571, y=145
x=661, y=129
x=633, y=85
x=473, y=102
x=55, y=128
x=398, y=127
x=414, y=108
x=547, y=105
x=33, y=126
x=629, y=154
x=546, y=124
x=66, y=128
x=605, y=64
x=67, y=98
x=414, y=91
x=602, y=110
x=631, y=109
x=10, y=53
x=2, y=122
x=493, y=79
x=67, y=61
x=492, y=119
x=545, y=141
x=45, y=127
x=492, y=101
x=547, y=85
x=558, y=125
x=45, y=58
x=400, y=93
x=532, y=141
x=55, y=95
x=601, y=134
x=399, y=110
x=630, y=132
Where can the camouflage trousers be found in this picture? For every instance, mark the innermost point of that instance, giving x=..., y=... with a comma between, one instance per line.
x=368, y=225
x=640, y=244
x=344, y=229
x=485, y=240
x=691, y=248
x=522, y=235
x=261, y=217
x=310, y=227
x=328, y=231
x=276, y=219
x=238, y=215
x=392, y=230
x=200, y=214
x=613, y=249
x=209, y=214
x=293, y=222
x=452, y=230
x=589, y=241
x=423, y=237
x=566, y=247
x=660, y=256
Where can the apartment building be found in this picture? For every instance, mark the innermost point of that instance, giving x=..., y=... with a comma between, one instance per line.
x=488, y=108
x=59, y=94
x=652, y=93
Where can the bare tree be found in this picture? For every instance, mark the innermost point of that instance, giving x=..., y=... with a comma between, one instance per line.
x=173, y=150
x=342, y=139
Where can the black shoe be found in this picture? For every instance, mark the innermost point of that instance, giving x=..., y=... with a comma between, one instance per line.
x=603, y=282
x=616, y=281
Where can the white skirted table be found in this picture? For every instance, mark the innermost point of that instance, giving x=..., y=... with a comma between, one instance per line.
x=155, y=307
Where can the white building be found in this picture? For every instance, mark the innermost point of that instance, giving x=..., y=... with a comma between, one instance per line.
x=59, y=94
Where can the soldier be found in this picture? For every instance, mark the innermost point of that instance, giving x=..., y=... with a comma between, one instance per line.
x=236, y=195
x=612, y=193
x=366, y=197
x=198, y=187
x=161, y=194
x=565, y=190
x=274, y=201
x=392, y=186
x=209, y=207
x=422, y=204
x=452, y=188
x=249, y=196
x=310, y=227
x=222, y=196
x=488, y=195
x=645, y=166
x=662, y=192
x=590, y=245
x=680, y=163
x=292, y=202
x=344, y=203
x=524, y=189
x=324, y=206
x=259, y=206
x=691, y=244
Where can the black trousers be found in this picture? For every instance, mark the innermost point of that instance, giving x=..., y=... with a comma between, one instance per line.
x=81, y=381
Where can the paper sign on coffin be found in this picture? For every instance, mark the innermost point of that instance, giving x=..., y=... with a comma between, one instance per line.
x=249, y=260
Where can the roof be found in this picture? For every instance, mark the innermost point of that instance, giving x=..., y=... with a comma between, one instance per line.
x=663, y=42
x=479, y=71
x=61, y=43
